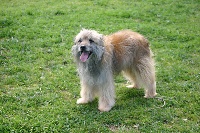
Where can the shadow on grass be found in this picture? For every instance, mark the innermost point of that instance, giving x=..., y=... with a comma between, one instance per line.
x=132, y=99
x=128, y=100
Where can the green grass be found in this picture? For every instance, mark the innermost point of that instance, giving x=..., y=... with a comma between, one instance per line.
x=39, y=85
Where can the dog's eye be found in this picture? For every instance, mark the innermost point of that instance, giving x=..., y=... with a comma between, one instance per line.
x=91, y=41
x=80, y=40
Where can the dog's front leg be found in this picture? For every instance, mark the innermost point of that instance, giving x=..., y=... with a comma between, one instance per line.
x=87, y=94
x=106, y=96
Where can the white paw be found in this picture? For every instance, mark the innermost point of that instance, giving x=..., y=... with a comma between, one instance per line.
x=81, y=101
x=105, y=109
x=131, y=86
x=150, y=96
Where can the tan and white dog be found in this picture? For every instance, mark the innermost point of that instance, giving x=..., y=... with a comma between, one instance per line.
x=100, y=57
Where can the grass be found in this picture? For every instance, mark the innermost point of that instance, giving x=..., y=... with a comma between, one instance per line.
x=39, y=85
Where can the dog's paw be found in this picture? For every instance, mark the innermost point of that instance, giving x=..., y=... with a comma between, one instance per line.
x=104, y=109
x=150, y=96
x=132, y=86
x=81, y=101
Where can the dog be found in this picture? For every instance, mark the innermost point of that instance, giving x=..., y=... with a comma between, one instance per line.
x=99, y=58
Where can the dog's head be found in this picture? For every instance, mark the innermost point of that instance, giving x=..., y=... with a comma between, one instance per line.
x=88, y=45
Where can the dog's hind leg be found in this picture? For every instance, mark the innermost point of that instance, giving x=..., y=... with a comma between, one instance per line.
x=145, y=76
x=130, y=76
x=87, y=94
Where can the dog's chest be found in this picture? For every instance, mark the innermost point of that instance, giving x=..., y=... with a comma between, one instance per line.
x=90, y=69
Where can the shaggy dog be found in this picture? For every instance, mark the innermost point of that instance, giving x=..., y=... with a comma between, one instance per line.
x=99, y=57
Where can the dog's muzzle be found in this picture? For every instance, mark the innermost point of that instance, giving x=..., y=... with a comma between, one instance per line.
x=85, y=53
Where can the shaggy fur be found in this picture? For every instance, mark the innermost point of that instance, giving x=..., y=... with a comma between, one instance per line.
x=100, y=57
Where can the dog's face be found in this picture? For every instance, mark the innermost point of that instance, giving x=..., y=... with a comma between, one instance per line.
x=88, y=44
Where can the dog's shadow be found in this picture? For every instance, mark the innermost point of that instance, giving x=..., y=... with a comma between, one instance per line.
x=127, y=93
x=131, y=98
x=126, y=98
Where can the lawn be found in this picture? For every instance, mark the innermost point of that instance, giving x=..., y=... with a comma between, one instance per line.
x=39, y=84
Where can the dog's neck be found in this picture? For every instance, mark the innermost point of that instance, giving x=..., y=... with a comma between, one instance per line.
x=91, y=67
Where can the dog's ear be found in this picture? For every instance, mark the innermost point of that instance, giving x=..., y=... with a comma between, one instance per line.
x=74, y=41
x=99, y=51
x=74, y=48
x=101, y=42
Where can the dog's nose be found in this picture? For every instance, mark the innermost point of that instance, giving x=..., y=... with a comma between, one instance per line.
x=83, y=48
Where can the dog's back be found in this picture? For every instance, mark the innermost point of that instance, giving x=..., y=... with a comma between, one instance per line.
x=128, y=48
